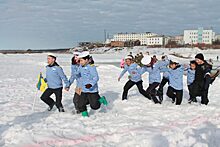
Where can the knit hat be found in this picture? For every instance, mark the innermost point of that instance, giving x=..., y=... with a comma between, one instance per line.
x=200, y=56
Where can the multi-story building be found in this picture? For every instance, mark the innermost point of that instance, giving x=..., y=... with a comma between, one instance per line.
x=142, y=37
x=199, y=36
x=157, y=40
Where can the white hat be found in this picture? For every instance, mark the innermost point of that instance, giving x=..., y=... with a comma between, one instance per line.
x=76, y=53
x=52, y=55
x=146, y=60
x=83, y=54
x=128, y=57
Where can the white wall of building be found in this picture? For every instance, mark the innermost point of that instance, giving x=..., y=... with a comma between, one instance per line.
x=200, y=35
x=133, y=36
x=157, y=40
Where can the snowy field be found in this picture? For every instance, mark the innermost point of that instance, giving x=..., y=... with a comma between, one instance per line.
x=133, y=123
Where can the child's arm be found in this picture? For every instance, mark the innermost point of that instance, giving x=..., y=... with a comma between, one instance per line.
x=123, y=72
x=73, y=74
x=63, y=77
x=95, y=76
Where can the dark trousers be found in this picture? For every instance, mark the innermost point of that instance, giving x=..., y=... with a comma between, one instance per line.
x=190, y=88
x=152, y=92
x=175, y=95
x=162, y=84
x=89, y=98
x=45, y=97
x=201, y=89
x=129, y=85
x=76, y=98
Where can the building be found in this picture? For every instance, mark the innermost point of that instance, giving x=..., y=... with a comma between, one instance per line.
x=199, y=36
x=117, y=43
x=217, y=37
x=179, y=39
x=157, y=40
x=142, y=37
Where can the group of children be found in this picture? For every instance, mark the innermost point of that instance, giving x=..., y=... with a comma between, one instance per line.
x=86, y=76
x=172, y=74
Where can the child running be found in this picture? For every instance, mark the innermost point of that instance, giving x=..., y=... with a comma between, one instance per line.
x=154, y=69
x=175, y=89
x=190, y=78
x=134, y=77
x=77, y=77
x=90, y=93
x=165, y=79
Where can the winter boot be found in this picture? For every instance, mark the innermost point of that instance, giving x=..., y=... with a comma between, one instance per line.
x=103, y=101
x=51, y=107
x=61, y=109
x=85, y=114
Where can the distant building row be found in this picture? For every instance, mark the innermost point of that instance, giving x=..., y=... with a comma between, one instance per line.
x=190, y=37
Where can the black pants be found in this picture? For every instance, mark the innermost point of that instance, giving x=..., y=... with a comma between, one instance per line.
x=162, y=84
x=201, y=89
x=190, y=88
x=76, y=101
x=89, y=98
x=175, y=95
x=45, y=97
x=129, y=85
x=152, y=92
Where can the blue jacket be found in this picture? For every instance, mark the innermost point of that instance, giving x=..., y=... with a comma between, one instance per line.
x=134, y=72
x=89, y=75
x=54, y=77
x=176, y=77
x=75, y=76
x=190, y=76
x=165, y=67
x=154, y=72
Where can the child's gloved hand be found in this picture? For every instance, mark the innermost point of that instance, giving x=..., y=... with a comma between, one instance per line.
x=88, y=86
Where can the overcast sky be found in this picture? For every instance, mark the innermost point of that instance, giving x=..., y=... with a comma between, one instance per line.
x=62, y=23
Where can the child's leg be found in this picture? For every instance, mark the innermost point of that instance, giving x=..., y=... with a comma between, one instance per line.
x=179, y=97
x=190, y=91
x=170, y=94
x=141, y=89
x=58, y=94
x=45, y=97
x=93, y=99
x=83, y=101
x=162, y=84
x=76, y=101
x=127, y=86
x=151, y=92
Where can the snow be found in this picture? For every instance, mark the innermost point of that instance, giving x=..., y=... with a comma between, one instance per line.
x=136, y=122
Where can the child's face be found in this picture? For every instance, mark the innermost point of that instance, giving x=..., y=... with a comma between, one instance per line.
x=199, y=61
x=128, y=62
x=83, y=62
x=193, y=66
x=173, y=66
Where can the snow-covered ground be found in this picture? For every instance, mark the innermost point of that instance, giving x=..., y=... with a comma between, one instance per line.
x=136, y=122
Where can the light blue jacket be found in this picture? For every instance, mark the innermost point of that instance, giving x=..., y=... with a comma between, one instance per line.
x=54, y=77
x=190, y=76
x=89, y=75
x=75, y=76
x=154, y=73
x=176, y=78
x=165, y=67
x=134, y=71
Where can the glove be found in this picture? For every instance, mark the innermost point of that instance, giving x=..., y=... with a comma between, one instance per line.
x=88, y=86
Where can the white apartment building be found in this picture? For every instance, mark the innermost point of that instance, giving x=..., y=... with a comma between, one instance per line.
x=157, y=41
x=199, y=36
x=133, y=36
